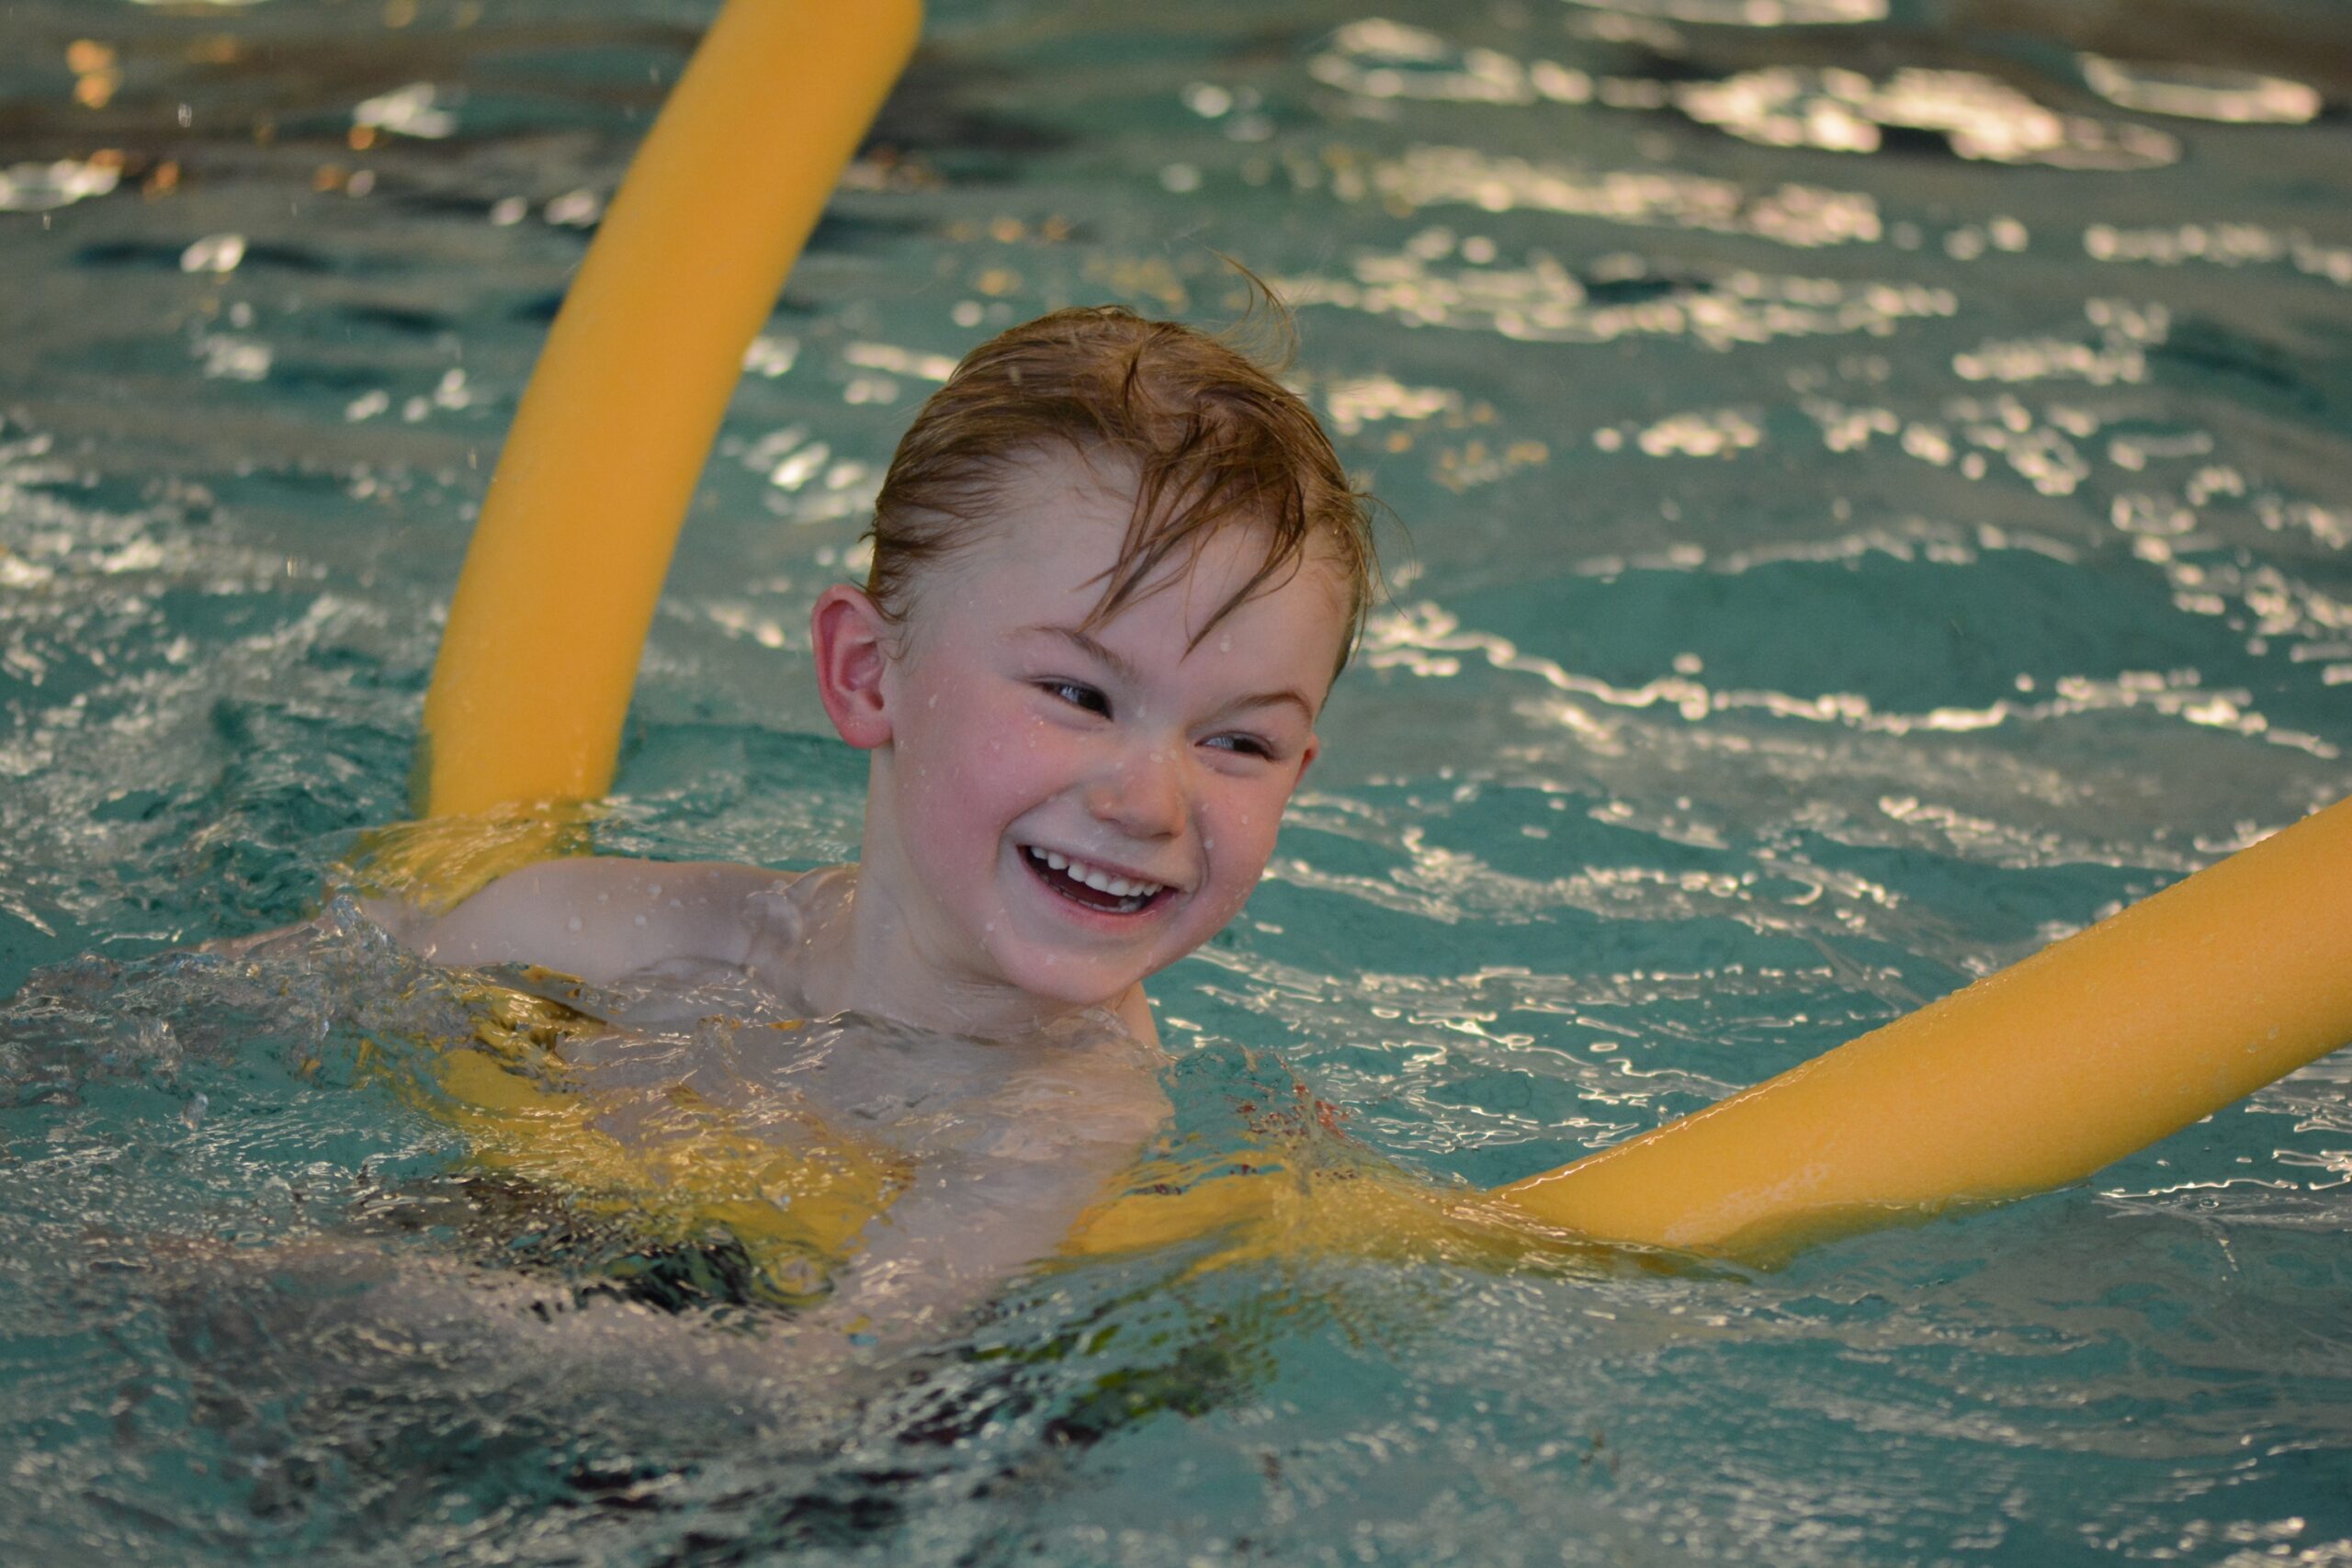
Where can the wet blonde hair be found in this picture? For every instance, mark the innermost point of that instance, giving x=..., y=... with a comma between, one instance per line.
x=1214, y=442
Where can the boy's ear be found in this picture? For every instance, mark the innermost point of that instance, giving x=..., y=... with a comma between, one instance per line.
x=852, y=643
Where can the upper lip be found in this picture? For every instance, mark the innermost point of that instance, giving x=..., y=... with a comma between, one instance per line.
x=1114, y=868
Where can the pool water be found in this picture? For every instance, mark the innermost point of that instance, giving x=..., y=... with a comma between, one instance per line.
x=1875, y=473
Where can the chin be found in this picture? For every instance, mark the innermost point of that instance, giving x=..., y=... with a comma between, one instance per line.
x=1073, y=983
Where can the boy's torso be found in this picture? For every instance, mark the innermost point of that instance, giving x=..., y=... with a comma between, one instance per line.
x=965, y=1159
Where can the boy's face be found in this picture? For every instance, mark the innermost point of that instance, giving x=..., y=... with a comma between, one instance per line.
x=1068, y=810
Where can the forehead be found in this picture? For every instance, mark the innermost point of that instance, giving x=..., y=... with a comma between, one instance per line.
x=1054, y=532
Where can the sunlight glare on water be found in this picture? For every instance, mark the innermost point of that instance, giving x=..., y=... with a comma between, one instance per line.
x=1873, y=486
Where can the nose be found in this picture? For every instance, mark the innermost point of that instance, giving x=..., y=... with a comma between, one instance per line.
x=1140, y=792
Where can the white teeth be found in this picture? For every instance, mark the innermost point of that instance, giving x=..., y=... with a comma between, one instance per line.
x=1095, y=877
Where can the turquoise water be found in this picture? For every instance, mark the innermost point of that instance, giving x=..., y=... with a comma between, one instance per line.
x=1875, y=483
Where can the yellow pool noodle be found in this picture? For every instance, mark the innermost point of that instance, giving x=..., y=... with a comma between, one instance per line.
x=2037, y=1075
x=2028, y=1079
x=584, y=511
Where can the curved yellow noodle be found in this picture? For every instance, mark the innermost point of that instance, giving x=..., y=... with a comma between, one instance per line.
x=577, y=529
x=793, y=1193
x=523, y=721
x=2037, y=1075
x=2029, y=1078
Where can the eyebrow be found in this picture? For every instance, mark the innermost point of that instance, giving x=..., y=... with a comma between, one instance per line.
x=1094, y=648
x=1121, y=666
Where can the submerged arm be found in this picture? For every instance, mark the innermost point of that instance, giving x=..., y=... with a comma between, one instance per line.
x=594, y=918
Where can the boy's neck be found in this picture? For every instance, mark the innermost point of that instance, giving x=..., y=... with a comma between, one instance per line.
x=867, y=959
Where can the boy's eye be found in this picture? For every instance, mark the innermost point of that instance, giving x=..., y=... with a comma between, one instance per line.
x=1246, y=745
x=1078, y=695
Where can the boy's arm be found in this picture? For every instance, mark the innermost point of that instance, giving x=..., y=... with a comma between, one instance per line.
x=595, y=918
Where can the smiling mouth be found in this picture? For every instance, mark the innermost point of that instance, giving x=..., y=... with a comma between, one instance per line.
x=1091, y=887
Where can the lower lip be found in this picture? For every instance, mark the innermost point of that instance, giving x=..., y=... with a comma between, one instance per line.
x=1111, y=917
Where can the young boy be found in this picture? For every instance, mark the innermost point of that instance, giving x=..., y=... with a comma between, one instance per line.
x=1116, y=568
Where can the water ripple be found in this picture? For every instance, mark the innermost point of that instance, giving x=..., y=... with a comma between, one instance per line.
x=1542, y=301
x=1978, y=117
x=1800, y=216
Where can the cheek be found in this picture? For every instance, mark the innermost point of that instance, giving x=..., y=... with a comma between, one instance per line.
x=976, y=762
x=1243, y=825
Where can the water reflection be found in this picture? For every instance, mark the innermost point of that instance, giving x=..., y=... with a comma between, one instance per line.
x=1749, y=13
x=1542, y=301
x=1976, y=115
x=1428, y=641
x=2195, y=92
x=2220, y=244
x=1806, y=217
x=1380, y=59
x=419, y=109
x=43, y=187
x=1832, y=109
